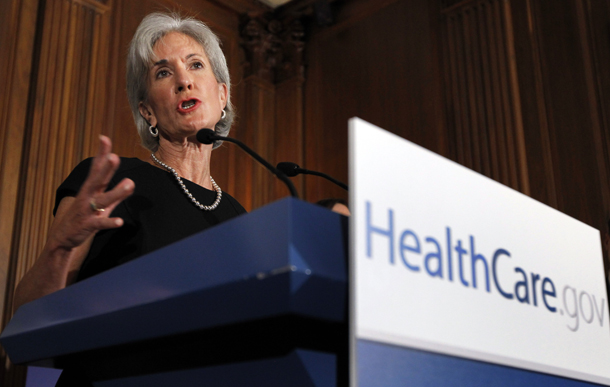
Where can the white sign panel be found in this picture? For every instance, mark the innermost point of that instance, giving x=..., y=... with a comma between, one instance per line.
x=449, y=261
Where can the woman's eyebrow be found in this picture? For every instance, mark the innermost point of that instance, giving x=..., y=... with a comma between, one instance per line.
x=164, y=61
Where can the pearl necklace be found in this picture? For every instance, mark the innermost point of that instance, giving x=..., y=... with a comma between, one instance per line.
x=186, y=191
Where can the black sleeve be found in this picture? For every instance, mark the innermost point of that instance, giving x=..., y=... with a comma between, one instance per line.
x=73, y=182
x=236, y=205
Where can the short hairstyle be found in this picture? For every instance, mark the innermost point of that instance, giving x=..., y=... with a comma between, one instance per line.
x=140, y=57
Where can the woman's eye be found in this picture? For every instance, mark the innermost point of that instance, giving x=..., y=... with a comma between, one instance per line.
x=162, y=74
x=198, y=65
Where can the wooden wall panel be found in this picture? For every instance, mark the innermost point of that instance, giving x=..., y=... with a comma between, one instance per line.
x=515, y=89
x=59, y=122
x=259, y=123
x=63, y=110
x=273, y=101
x=568, y=111
x=289, y=135
x=549, y=59
x=62, y=124
x=557, y=58
x=380, y=61
x=16, y=48
x=525, y=98
x=483, y=102
x=593, y=21
x=535, y=121
x=17, y=38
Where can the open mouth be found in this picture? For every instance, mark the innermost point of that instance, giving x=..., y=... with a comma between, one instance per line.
x=188, y=104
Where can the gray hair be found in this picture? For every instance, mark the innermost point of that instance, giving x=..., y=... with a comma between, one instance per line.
x=141, y=56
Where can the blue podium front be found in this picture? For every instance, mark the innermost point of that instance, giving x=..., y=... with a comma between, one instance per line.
x=258, y=300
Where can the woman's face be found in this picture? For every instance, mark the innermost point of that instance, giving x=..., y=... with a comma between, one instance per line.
x=183, y=93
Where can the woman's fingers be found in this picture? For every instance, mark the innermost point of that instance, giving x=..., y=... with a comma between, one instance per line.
x=103, y=167
x=78, y=218
x=109, y=200
x=93, y=204
x=106, y=223
x=105, y=203
x=109, y=165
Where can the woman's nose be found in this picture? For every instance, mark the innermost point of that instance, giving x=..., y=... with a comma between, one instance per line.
x=183, y=81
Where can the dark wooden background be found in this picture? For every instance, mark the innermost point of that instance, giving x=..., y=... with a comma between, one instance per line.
x=518, y=90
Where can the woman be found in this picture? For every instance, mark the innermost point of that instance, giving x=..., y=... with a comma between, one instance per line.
x=111, y=210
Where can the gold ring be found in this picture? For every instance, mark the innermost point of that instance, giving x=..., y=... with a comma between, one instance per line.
x=94, y=207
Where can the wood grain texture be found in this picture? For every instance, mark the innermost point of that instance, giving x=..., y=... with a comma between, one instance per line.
x=380, y=61
x=259, y=120
x=17, y=47
x=593, y=16
x=536, y=123
x=61, y=127
x=514, y=89
x=571, y=106
x=483, y=100
x=289, y=135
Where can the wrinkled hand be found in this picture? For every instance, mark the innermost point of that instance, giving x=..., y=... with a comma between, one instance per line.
x=77, y=218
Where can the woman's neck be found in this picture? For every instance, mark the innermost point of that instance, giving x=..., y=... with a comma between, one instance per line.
x=190, y=160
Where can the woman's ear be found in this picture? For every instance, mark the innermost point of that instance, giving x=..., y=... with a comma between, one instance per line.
x=147, y=113
x=222, y=94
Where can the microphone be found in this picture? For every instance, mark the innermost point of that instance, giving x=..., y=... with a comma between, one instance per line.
x=292, y=169
x=208, y=136
x=289, y=169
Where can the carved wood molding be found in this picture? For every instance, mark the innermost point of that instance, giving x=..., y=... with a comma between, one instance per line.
x=273, y=48
x=274, y=61
x=244, y=6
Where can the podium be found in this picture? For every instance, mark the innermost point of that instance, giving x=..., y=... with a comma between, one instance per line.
x=258, y=300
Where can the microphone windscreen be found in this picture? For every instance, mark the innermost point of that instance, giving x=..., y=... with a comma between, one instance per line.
x=206, y=136
x=289, y=169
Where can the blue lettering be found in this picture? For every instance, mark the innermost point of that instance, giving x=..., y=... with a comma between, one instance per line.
x=550, y=293
x=474, y=258
x=535, y=277
x=495, y=272
x=433, y=263
x=371, y=229
x=461, y=252
x=403, y=246
x=449, y=264
x=436, y=256
x=523, y=285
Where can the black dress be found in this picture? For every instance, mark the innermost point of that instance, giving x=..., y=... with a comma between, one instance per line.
x=156, y=215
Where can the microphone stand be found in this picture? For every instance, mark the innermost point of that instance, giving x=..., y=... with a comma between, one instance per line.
x=324, y=175
x=292, y=169
x=208, y=136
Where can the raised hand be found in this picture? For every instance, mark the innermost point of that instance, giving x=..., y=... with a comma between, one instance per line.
x=81, y=217
x=77, y=220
